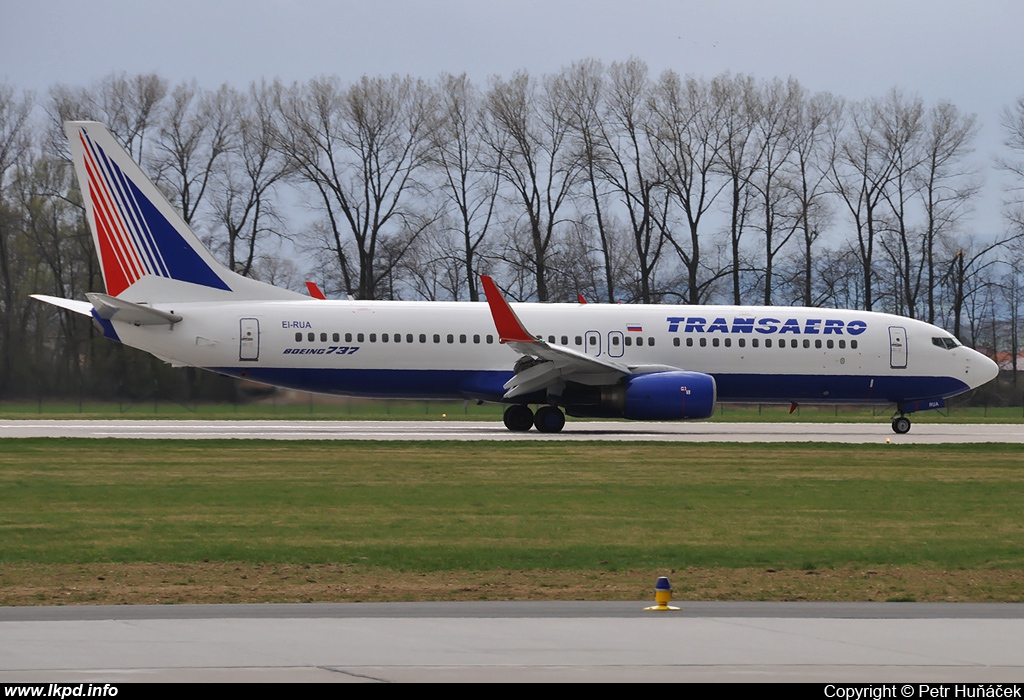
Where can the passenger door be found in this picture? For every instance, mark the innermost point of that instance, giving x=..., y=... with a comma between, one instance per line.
x=897, y=347
x=249, y=340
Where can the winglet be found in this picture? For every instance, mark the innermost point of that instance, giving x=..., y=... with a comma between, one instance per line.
x=510, y=328
x=580, y=298
x=314, y=290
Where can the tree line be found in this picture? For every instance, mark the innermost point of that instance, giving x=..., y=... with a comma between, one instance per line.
x=599, y=179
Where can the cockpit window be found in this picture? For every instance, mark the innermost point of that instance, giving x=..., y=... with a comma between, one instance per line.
x=947, y=343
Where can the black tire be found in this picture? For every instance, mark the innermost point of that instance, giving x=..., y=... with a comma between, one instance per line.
x=901, y=425
x=549, y=419
x=518, y=418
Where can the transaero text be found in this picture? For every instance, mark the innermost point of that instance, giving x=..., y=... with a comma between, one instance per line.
x=810, y=326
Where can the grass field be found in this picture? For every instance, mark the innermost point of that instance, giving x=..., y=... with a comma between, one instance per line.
x=148, y=521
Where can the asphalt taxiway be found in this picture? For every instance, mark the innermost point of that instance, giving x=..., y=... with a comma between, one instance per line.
x=924, y=433
x=510, y=642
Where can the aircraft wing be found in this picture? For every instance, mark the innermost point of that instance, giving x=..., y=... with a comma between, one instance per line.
x=557, y=363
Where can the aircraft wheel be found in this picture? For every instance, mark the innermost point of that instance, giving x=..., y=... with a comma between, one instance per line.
x=549, y=419
x=518, y=418
x=901, y=425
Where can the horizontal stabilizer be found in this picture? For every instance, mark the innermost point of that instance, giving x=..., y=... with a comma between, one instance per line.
x=112, y=309
x=79, y=307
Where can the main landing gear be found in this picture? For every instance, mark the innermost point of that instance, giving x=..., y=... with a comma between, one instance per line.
x=548, y=419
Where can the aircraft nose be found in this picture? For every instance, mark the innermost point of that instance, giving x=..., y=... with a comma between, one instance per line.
x=980, y=369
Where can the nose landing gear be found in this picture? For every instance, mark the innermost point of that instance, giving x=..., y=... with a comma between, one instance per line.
x=900, y=424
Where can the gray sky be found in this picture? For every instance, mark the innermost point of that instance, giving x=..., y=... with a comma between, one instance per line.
x=967, y=52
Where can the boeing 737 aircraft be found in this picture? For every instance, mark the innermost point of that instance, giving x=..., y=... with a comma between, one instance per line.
x=167, y=295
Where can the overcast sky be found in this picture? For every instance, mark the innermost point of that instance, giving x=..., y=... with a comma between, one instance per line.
x=968, y=52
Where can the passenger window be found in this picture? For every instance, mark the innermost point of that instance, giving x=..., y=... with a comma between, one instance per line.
x=728, y=342
x=451, y=338
x=628, y=341
x=650, y=341
x=675, y=341
x=830, y=343
x=490, y=339
x=639, y=340
x=579, y=340
x=817, y=343
x=323, y=337
x=462, y=338
x=689, y=342
x=348, y=337
x=312, y=337
x=359, y=338
x=476, y=339
x=807, y=343
x=565, y=340
x=437, y=338
x=551, y=338
x=298, y=337
x=703, y=342
x=714, y=342
x=408, y=337
x=853, y=344
x=743, y=342
x=373, y=337
x=842, y=344
x=767, y=342
x=423, y=337
x=383, y=338
x=754, y=342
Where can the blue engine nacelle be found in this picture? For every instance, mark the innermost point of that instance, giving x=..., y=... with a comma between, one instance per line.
x=670, y=396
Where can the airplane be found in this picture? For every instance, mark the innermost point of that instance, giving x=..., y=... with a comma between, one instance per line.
x=167, y=295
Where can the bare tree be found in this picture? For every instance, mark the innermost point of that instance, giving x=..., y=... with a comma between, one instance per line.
x=470, y=171
x=361, y=149
x=860, y=173
x=531, y=125
x=197, y=130
x=813, y=155
x=945, y=185
x=15, y=141
x=740, y=157
x=686, y=134
x=128, y=104
x=1013, y=164
x=251, y=170
x=632, y=171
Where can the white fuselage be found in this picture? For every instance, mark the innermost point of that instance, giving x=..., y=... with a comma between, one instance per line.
x=451, y=349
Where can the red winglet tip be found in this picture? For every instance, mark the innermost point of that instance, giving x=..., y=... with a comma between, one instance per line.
x=580, y=298
x=510, y=328
x=314, y=291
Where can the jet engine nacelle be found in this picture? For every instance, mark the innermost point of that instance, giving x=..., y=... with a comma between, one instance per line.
x=670, y=396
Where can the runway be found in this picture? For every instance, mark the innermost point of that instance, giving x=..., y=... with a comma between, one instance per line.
x=515, y=642
x=924, y=433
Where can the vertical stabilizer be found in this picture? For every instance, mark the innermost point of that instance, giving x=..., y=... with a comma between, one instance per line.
x=147, y=252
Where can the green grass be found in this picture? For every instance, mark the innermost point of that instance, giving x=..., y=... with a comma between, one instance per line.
x=483, y=506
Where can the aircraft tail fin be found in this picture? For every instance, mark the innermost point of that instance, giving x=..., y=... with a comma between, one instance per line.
x=146, y=249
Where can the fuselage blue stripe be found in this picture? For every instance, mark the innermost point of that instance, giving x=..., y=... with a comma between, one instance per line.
x=487, y=385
